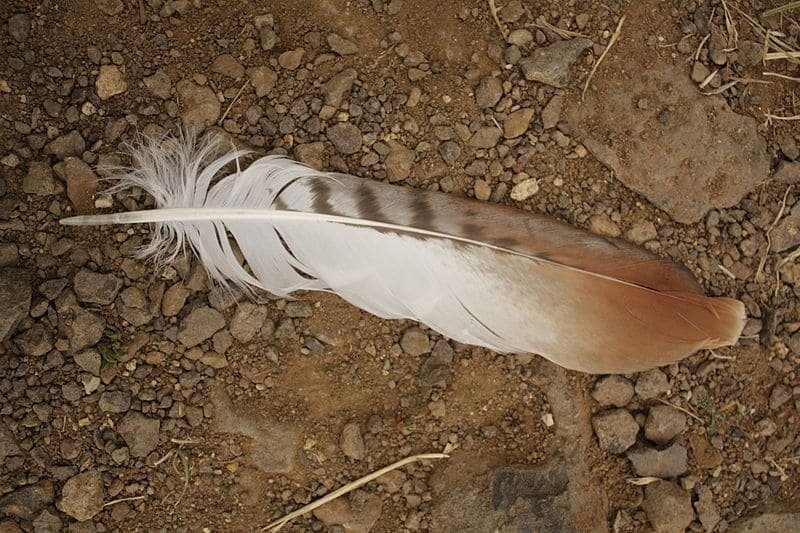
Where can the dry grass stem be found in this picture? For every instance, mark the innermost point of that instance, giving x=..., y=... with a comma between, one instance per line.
x=235, y=99
x=130, y=499
x=722, y=88
x=683, y=410
x=493, y=10
x=727, y=272
x=784, y=54
x=781, y=9
x=639, y=481
x=561, y=32
x=700, y=46
x=353, y=485
x=782, y=76
x=730, y=26
x=763, y=261
x=708, y=79
x=611, y=42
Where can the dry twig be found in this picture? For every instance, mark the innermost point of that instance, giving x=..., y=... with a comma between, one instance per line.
x=278, y=524
x=683, y=410
x=493, y=10
x=602, y=56
x=235, y=99
x=763, y=261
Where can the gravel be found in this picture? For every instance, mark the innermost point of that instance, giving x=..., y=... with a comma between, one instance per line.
x=415, y=342
x=651, y=384
x=93, y=287
x=15, y=299
x=351, y=442
x=110, y=82
x=668, y=507
x=200, y=325
x=670, y=462
x=345, y=137
x=140, y=433
x=82, y=495
x=616, y=430
x=663, y=424
x=613, y=390
x=552, y=64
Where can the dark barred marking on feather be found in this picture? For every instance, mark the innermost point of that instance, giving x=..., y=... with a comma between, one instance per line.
x=321, y=192
x=472, y=231
x=369, y=207
x=423, y=214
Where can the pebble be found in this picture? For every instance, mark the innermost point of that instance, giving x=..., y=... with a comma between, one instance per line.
x=552, y=64
x=268, y=38
x=68, y=144
x=89, y=361
x=486, y=137
x=663, y=424
x=351, y=442
x=115, y=401
x=651, y=384
x=749, y=53
x=517, y=123
x=699, y=72
x=521, y=38
x=200, y=106
x=342, y=46
x=9, y=255
x=46, y=522
x=15, y=299
x=339, y=85
x=92, y=287
x=247, y=321
x=298, y=309
x=359, y=515
x=110, y=7
x=668, y=507
x=263, y=80
x=450, y=152
x=140, y=433
x=603, y=225
x=19, y=26
x=174, y=299
x=613, y=390
x=399, y=161
x=86, y=330
x=488, y=92
x=82, y=495
x=706, y=509
x=82, y=183
x=159, y=84
x=705, y=455
x=291, y=59
x=482, y=190
x=415, y=342
x=345, y=137
x=39, y=180
x=616, y=430
x=668, y=463
x=26, y=501
x=525, y=189
x=227, y=65
x=787, y=172
x=110, y=82
x=200, y=325
x=551, y=113
x=641, y=231
x=780, y=395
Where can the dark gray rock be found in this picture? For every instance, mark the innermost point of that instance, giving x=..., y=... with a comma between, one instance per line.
x=140, y=433
x=663, y=424
x=488, y=92
x=613, y=390
x=96, y=288
x=345, y=137
x=19, y=26
x=82, y=495
x=115, y=401
x=668, y=463
x=68, y=144
x=15, y=299
x=200, y=325
x=86, y=330
x=39, y=180
x=616, y=430
x=552, y=64
x=26, y=501
x=668, y=507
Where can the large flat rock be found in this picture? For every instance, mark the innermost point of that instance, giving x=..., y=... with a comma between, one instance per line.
x=685, y=152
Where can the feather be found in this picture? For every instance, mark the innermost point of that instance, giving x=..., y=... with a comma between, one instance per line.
x=479, y=273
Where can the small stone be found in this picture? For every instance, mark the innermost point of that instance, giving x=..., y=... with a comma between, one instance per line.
x=311, y=154
x=616, y=430
x=214, y=360
x=159, y=84
x=263, y=80
x=110, y=7
x=521, y=38
x=69, y=144
x=86, y=330
x=8, y=443
x=603, y=225
x=663, y=424
x=483, y=190
x=15, y=299
x=716, y=48
x=398, y=161
x=227, y=65
x=787, y=172
x=26, y=501
x=668, y=507
x=749, y=53
x=415, y=342
x=669, y=463
x=517, y=123
x=9, y=256
x=345, y=137
x=115, y=401
x=342, y=46
x=613, y=390
x=437, y=408
x=706, y=508
x=552, y=64
x=35, y=341
x=199, y=103
x=19, y=26
x=247, y=321
x=268, y=38
x=358, y=516
x=174, y=299
x=450, y=152
x=351, y=442
x=486, y=137
x=551, y=113
x=789, y=146
x=81, y=181
x=89, y=361
x=46, y=522
x=82, y=495
x=641, y=231
x=39, y=180
x=488, y=92
x=699, y=72
x=525, y=189
x=298, y=309
x=340, y=84
x=110, y=82
x=651, y=383
x=705, y=455
x=92, y=287
x=291, y=59
x=139, y=433
x=200, y=325
x=780, y=395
